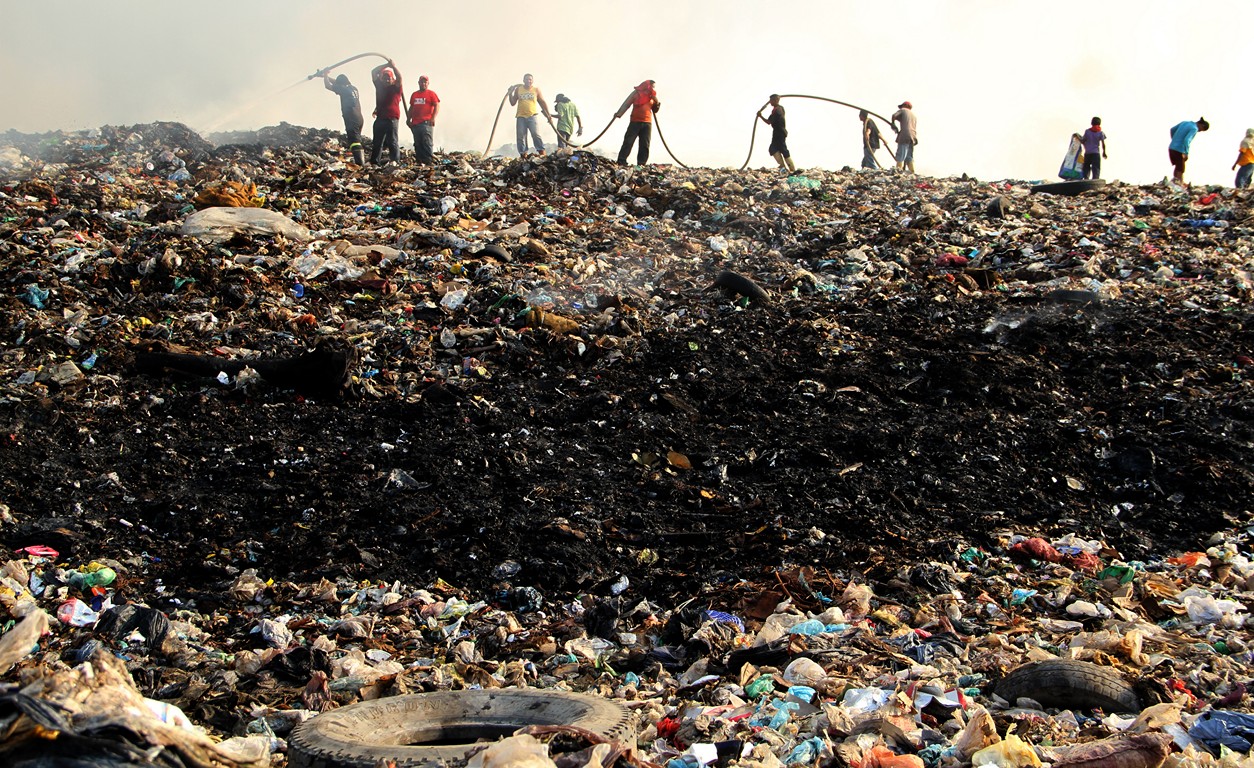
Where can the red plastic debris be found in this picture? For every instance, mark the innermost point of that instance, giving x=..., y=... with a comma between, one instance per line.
x=951, y=260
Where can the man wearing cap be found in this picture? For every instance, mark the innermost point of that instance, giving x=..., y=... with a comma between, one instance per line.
x=643, y=102
x=904, y=123
x=567, y=117
x=389, y=98
x=1182, y=134
x=424, y=105
x=350, y=109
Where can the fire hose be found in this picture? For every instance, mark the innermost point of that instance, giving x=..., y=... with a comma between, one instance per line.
x=339, y=64
x=752, y=136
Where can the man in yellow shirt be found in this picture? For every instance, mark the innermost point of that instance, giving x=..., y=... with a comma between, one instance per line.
x=530, y=102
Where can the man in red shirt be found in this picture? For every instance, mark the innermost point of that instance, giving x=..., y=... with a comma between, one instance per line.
x=424, y=105
x=643, y=102
x=388, y=99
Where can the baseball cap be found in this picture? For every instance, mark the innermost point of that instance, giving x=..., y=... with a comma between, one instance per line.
x=905, y=104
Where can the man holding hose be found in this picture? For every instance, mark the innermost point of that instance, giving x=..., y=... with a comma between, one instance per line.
x=643, y=102
x=388, y=101
x=530, y=102
x=350, y=109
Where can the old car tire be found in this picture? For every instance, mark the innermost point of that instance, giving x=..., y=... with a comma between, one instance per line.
x=738, y=283
x=1069, y=684
x=1069, y=187
x=428, y=729
x=1069, y=296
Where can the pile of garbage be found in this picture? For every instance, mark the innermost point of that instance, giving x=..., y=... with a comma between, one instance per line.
x=801, y=469
x=1003, y=658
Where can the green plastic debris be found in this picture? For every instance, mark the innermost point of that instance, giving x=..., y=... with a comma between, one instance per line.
x=760, y=687
x=1123, y=573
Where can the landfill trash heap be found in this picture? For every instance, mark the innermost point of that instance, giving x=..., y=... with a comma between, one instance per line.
x=802, y=470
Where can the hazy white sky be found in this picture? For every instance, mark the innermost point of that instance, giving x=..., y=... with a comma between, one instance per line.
x=998, y=85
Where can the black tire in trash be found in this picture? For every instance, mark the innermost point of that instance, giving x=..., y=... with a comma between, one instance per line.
x=1066, y=296
x=738, y=283
x=1068, y=684
x=1069, y=187
x=429, y=729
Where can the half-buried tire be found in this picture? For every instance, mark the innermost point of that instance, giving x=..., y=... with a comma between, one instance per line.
x=1070, y=187
x=738, y=283
x=1069, y=684
x=429, y=729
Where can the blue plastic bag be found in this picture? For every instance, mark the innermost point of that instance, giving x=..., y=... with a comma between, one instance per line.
x=1234, y=730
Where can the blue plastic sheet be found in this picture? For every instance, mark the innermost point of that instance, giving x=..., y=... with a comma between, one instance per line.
x=1234, y=730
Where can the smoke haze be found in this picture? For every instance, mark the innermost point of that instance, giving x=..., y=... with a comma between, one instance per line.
x=998, y=87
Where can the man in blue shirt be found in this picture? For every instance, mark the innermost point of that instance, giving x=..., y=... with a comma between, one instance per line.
x=1182, y=134
x=1094, y=141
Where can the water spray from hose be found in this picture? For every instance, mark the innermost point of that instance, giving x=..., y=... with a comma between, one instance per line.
x=270, y=97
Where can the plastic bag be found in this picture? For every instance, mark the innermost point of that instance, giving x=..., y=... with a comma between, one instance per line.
x=1073, y=163
x=218, y=225
x=1145, y=750
x=881, y=756
x=1011, y=752
x=1205, y=609
x=515, y=751
x=1234, y=730
x=804, y=671
x=979, y=732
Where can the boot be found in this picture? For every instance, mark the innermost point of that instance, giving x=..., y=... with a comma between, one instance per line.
x=359, y=154
x=779, y=158
x=910, y=166
x=792, y=168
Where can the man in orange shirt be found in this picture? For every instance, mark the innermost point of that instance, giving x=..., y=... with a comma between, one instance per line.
x=424, y=105
x=643, y=102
